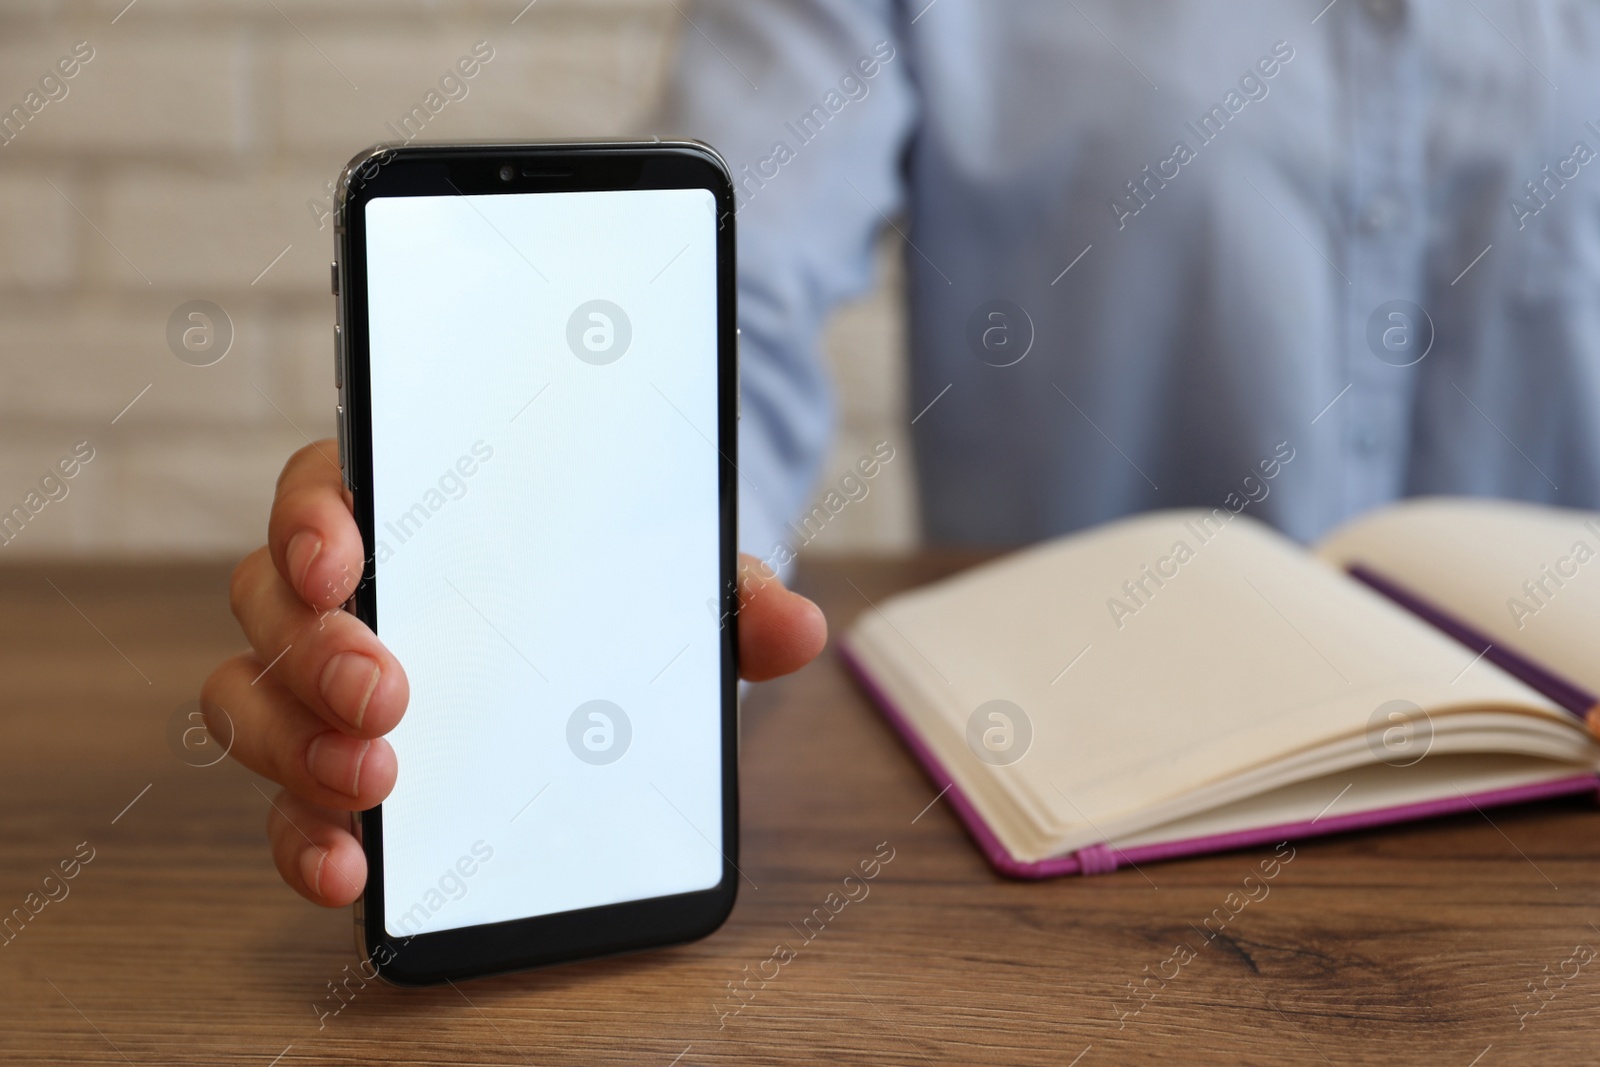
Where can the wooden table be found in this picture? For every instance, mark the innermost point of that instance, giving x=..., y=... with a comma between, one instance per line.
x=177, y=944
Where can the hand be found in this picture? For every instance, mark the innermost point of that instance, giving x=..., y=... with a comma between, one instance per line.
x=312, y=699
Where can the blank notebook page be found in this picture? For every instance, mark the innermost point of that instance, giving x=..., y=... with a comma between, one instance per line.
x=1477, y=558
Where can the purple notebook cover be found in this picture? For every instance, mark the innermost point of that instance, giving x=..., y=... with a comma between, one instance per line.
x=1103, y=858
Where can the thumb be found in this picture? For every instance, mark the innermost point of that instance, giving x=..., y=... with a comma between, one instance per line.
x=779, y=631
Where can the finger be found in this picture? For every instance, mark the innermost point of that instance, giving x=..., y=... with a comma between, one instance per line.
x=312, y=533
x=271, y=732
x=779, y=631
x=331, y=661
x=315, y=852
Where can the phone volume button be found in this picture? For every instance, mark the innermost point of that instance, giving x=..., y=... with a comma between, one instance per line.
x=338, y=418
x=338, y=357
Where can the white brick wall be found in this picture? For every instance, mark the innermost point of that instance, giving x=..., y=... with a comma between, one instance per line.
x=179, y=165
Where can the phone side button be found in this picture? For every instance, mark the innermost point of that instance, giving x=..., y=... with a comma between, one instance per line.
x=333, y=277
x=359, y=912
x=738, y=374
x=338, y=357
x=338, y=418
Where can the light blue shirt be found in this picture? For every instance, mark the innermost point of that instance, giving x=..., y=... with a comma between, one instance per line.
x=1212, y=224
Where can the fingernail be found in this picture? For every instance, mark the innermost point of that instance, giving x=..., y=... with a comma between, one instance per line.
x=347, y=683
x=311, y=861
x=335, y=761
x=304, y=547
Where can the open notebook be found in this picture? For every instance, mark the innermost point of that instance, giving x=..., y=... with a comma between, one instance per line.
x=1187, y=681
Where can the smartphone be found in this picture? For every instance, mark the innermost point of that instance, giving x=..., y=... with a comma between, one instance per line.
x=536, y=365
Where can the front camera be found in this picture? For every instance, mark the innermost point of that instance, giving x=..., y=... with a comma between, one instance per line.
x=506, y=173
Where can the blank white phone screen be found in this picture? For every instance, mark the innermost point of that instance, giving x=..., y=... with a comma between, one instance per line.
x=545, y=486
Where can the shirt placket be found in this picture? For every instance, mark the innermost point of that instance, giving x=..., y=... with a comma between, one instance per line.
x=1383, y=238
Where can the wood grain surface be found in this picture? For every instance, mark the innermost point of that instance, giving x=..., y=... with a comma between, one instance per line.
x=1462, y=941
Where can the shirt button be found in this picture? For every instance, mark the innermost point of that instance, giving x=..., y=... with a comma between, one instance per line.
x=1386, y=13
x=1381, y=213
x=1364, y=437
